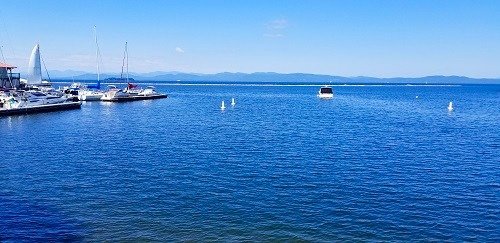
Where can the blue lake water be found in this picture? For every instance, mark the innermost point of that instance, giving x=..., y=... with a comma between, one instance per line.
x=374, y=163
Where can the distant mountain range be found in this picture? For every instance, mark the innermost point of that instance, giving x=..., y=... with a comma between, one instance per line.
x=269, y=77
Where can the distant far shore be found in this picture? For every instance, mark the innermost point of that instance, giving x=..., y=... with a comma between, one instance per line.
x=264, y=83
x=266, y=77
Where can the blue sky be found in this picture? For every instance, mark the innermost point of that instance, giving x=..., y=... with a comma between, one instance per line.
x=348, y=38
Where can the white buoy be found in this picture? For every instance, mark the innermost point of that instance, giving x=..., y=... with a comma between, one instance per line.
x=450, y=106
x=222, y=106
x=233, y=102
x=416, y=97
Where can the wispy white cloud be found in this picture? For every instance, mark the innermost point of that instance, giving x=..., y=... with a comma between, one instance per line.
x=179, y=50
x=276, y=28
x=277, y=24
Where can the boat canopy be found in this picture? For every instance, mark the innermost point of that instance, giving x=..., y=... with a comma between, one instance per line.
x=131, y=86
x=7, y=66
x=326, y=90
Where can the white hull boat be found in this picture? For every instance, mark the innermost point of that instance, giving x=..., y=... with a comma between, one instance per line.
x=325, y=92
x=89, y=95
x=19, y=103
x=115, y=94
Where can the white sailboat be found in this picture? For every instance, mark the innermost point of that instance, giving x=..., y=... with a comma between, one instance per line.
x=222, y=106
x=35, y=79
x=131, y=88
x=35, y=66
x=86, y=93
x=450, y=106
x=233, y=102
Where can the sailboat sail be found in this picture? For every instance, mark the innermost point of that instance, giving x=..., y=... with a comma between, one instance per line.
x=35, y=67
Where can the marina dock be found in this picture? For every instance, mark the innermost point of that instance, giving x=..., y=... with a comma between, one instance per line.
x=41, y=108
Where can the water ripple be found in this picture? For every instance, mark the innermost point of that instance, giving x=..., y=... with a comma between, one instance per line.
x=374, y=163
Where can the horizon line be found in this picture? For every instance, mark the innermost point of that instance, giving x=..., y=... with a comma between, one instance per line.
x=277, y=73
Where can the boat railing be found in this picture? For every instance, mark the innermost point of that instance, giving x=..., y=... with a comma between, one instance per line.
x=6, y=79
x=10, y=75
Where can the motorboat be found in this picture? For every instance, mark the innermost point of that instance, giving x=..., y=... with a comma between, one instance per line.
x=44, y=86
x=10, y=100
x=325, y=92
x=90, y=95
x=148, y=91
x=115, y=94
x=35, y=97
x=24, y=102
x=82, y=92
x=72, y=91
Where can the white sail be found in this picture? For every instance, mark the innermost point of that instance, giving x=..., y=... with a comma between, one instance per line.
x=35, y=67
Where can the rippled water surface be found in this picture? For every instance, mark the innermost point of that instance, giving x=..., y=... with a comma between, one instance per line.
x=374, y=163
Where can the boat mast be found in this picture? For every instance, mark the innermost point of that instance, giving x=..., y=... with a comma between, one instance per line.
x=123, y=62
x=97, y=58
x=125, y=57
x=126, y=52
x=46, y=71
x=44, y=66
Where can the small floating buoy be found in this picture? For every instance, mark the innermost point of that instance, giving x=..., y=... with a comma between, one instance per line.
x=416, y=97
x=233, y=102
x=450, y=106
x=222, y=106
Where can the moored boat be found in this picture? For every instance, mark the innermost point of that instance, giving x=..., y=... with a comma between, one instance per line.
x=20, y=102
x=115, y=94
x=90, y=95
x=91, y=92
x=132, y=89
x=325, y=92
x=132, y=92
x=149, y=91
x=36, y=97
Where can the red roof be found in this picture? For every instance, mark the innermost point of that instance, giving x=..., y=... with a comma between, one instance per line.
x=5, y=65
